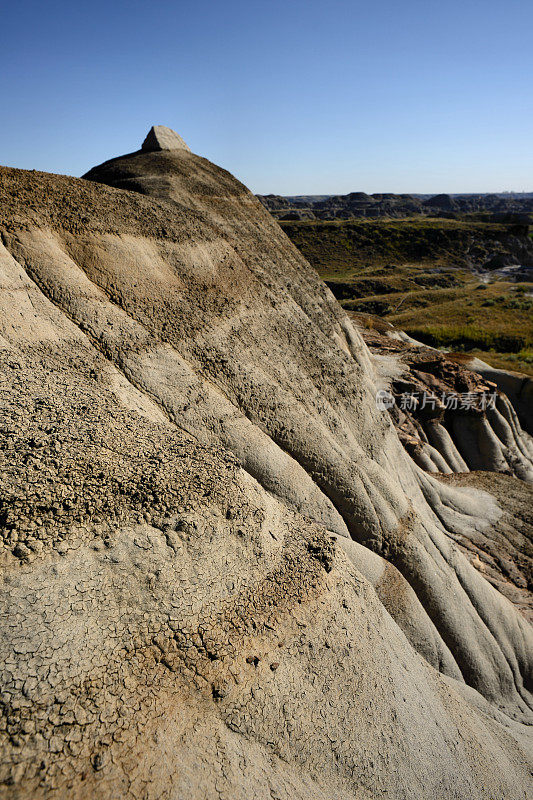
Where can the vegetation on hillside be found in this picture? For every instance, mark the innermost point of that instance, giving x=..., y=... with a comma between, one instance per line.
x=414, y=273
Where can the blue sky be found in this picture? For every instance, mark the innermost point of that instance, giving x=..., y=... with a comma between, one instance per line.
x=293, y=97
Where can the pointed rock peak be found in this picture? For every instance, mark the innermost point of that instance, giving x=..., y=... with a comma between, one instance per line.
x=162, y=138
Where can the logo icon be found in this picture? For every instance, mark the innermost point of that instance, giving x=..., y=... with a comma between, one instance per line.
x=384, y=399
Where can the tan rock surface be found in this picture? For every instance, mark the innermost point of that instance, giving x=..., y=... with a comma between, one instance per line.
x=191, y=446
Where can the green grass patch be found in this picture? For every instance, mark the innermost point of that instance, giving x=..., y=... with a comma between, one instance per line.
x=415, y=274
x=469, y=337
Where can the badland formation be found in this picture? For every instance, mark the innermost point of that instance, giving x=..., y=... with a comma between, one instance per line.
x=226, y=571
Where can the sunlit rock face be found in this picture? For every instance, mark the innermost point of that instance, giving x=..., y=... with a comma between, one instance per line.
x=222, y=572
x=159, y=137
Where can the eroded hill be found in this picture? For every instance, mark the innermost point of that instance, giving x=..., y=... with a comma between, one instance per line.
x=222, y=573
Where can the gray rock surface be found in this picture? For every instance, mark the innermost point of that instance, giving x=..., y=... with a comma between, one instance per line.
x=159, y=137
x=184, y=612
x=479, y=429
x=517, y=387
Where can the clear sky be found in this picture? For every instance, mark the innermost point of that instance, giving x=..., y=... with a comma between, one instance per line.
x=292, y=96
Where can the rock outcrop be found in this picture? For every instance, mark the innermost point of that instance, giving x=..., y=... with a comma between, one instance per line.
x=516, y=386
x=159, y=137
x=449, y=416
x=222, y=573
x=453, y=421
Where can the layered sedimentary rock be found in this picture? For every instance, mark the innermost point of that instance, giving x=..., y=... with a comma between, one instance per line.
x=516, y=386
x=449, y=415
x=222, y=573
x=454, y=421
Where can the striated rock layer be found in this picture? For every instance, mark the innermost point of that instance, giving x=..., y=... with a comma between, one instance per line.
x=222, y=574
x=455, y=422
x=449, y=416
